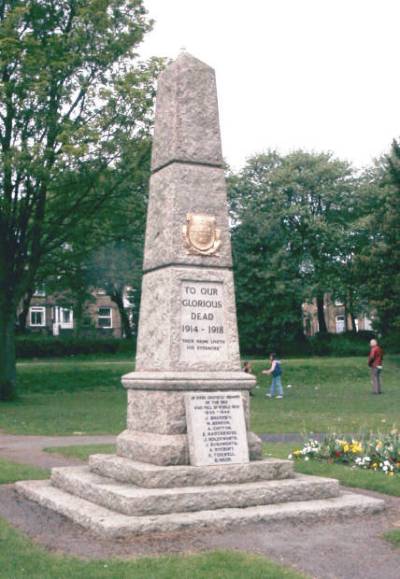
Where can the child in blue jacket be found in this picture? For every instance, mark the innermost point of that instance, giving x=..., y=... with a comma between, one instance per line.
x=276, y=372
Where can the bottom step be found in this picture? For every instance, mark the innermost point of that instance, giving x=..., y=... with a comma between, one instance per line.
x=110, y=524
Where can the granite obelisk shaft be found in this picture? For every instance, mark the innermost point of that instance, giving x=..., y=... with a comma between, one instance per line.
x=187, y=339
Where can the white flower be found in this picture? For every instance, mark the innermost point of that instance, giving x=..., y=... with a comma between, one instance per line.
x=307, y=458
x=290, y=456
x=289, y=386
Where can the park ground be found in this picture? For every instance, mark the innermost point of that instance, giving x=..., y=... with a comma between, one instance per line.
x=83, y=397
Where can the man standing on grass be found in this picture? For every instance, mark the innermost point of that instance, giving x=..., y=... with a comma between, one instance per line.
x=375, y=361
x=276, y=371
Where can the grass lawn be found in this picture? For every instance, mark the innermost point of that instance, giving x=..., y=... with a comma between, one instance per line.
x=20, y=558
x=393, y=537
x=11, y=472
x=86, y=396
x=328, y=394
x=82, y=451
x=74, y=395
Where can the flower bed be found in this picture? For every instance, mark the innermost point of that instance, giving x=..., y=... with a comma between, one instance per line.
x=374, y=452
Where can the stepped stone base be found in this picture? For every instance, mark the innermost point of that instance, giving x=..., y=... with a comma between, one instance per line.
x=132, y=500
x=110, y=524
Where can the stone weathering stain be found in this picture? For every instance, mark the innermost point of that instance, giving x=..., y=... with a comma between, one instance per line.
x=183, y=461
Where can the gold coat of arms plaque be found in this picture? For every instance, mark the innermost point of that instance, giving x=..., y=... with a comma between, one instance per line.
x=200, y=234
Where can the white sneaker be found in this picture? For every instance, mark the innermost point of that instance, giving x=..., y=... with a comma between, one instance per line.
x=268, y=396
x=279, y=396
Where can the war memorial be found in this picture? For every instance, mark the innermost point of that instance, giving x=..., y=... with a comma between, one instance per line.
x=187, y=458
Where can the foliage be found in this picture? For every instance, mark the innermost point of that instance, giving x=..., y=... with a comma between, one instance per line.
x=291, y=220
x=376, y=452
x=377, y=264
x=72, y=98
x=49, y=347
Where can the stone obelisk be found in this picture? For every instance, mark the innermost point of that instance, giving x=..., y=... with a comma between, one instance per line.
x=188, y=339
x=183, y=461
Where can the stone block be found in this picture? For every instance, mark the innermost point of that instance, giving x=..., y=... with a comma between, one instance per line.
x=135, y=501
x=175, y=192
x=161, y=412
x=187, y=122
x=161, y=339
x=107, y=523
x=154, y=476
x=161, y=449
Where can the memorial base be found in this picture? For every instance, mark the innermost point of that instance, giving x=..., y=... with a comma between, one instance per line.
x=122, y=500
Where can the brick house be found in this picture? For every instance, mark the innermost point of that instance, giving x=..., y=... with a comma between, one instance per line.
x=49, y=315
x=336, y=318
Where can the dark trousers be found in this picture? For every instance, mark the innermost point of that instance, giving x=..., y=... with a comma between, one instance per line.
x=376, y=380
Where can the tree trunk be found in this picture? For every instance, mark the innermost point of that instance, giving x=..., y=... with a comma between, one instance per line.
x=22, y=316
x=117, y=298
x=321, y=315
x=8, y=374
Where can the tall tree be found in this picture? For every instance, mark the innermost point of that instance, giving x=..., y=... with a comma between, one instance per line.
x=378, y=262
x=70, y=99
x=298, y=207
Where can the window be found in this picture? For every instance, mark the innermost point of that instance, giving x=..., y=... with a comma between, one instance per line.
x=104, y=317
x=340, y=324
x=37, y=316
x=66, y=318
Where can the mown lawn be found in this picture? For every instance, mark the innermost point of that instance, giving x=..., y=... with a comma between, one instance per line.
x=22, y=559
x=327, y=395
x=86, y=396
x=11, y=472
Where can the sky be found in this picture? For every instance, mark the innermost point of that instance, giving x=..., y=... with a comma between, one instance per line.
x=321, y=75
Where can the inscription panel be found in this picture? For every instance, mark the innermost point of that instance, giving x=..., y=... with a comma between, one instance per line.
x=203, y=328
x=216, y=428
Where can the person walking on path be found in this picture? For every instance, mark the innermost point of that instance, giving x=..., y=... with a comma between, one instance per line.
x=375, y=362
x=276, y=372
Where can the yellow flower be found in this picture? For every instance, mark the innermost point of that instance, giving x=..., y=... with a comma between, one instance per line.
x=356, y=447
x=346, y=447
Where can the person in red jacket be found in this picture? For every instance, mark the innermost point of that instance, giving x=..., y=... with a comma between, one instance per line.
x=375, y=362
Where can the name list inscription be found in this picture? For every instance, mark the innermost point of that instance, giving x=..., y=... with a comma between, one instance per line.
x=216, y=428
x=202, y=321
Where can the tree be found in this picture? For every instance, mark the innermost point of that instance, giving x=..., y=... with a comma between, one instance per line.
x=71, y=100
x=298, y=209
x=378, y=262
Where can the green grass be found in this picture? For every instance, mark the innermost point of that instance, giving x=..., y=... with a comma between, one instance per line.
x=394, y=537
x=82, y=396
x=20, y=559
x=10, y=472
x=327, y=395
x=82, y=451
x=351, y=477
x=86, y=396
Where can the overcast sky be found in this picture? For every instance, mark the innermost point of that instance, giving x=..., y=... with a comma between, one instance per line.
x=321, y=75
